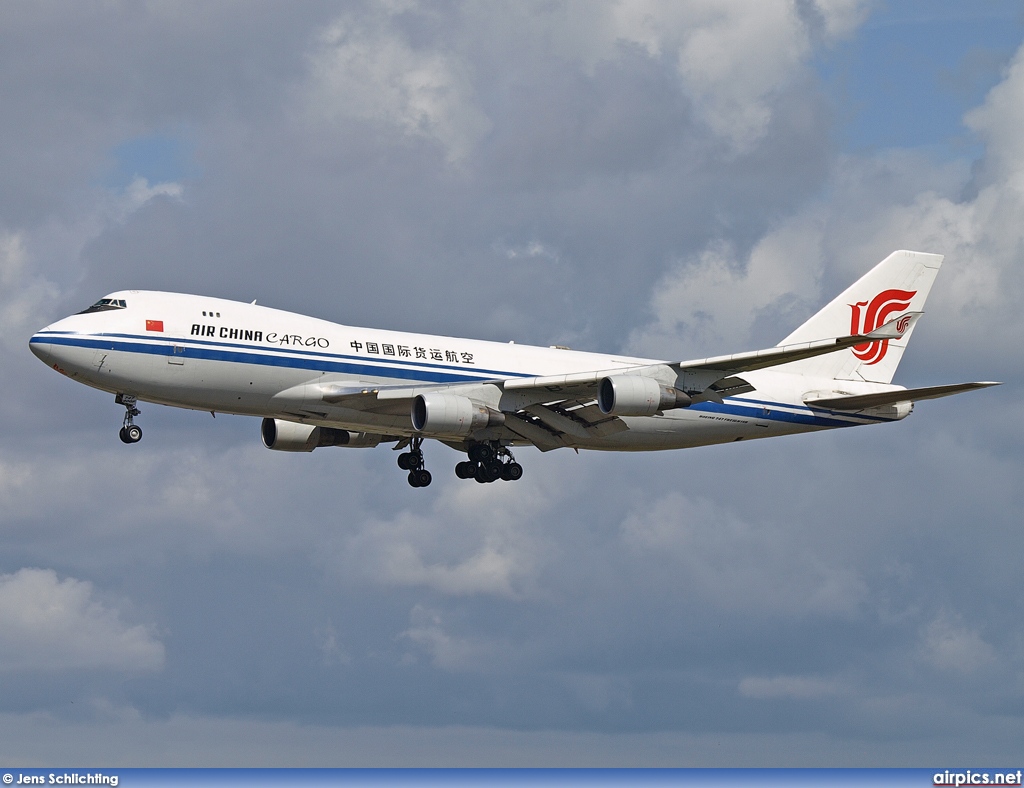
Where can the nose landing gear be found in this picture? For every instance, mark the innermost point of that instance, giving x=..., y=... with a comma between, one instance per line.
x=489, y=462
x=412, y=461
x=130, y=432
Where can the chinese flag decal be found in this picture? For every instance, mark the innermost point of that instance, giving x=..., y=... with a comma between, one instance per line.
x=155, y=325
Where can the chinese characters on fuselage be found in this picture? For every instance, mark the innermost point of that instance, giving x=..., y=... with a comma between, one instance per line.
x=411, y=352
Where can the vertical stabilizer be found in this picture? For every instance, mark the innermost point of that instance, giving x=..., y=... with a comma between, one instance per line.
x=898, y=284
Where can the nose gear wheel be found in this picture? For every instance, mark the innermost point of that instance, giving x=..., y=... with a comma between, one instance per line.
x=130, y=432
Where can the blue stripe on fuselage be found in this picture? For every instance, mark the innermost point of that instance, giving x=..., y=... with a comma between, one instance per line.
x=406, y=370
x=769, y=404
x=321, y=364
x=733, y=407
x=190, y=341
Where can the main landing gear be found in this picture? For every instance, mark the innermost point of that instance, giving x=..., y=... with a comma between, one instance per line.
x=130, y=432
x=412, y=461
x=489, y=462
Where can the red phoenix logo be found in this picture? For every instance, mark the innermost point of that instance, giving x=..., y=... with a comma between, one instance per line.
x=869, y=315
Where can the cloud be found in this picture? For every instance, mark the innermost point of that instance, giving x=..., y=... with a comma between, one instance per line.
x=875, y=204
x=27, y=296
x=449, y=548
x=715, y=560
x=733, y=60
x=997, y=121
x=139, y=192
x=364, y=68
x=788, y=687
x=24, y=296
x=333, y=653
x=56, y=625
x=947, y=644
x=447, y=651
x=712, y=302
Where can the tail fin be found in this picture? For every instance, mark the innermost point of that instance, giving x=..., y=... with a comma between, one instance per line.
x=900, y=283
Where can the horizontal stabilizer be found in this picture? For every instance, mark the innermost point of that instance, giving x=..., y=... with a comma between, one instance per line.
x=862, y=401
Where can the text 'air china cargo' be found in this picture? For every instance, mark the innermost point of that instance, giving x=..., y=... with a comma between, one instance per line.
x=317, y=383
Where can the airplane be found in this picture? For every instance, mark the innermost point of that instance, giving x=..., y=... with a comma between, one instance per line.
x=316, y=383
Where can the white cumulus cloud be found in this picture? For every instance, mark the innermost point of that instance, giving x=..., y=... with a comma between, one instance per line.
x=52, y=624
x=732, y=58
x=365, y=69
x=876, y=203
x=24, y=296
x=449, y=547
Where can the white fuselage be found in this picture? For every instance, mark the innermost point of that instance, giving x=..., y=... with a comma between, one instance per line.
x=224, y=356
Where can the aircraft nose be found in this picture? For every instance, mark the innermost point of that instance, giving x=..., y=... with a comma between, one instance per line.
x=41, y=348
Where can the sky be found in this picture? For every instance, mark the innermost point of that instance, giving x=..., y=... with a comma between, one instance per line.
x=667, y=179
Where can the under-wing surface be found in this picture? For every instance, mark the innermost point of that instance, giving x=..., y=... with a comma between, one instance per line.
x=317, y=383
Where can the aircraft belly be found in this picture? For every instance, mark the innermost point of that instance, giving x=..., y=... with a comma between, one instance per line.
x=689, y=428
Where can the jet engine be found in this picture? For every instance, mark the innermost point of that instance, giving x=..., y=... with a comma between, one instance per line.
x=289, y=436
x=896, y=411
x=437, y=413
x=634, y=395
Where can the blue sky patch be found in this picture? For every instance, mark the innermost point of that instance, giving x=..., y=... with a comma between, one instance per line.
x=159, y=158
x=915, y=68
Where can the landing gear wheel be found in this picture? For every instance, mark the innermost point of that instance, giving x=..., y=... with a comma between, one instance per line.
x=412, y=461
x=491, y=472
x=420, y=477
x=489, y=462
x=129, y=432
x=480, y=452
x=512, y=472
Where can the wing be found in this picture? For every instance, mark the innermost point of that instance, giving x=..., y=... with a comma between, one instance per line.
x=708, y=378
x=553, y=411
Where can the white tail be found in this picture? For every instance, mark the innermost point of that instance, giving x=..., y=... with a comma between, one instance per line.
x=898, y=284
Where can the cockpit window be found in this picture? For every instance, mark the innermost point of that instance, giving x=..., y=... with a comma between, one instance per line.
x=105, y=305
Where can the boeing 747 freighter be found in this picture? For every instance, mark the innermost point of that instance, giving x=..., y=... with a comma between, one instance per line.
x=316, y=383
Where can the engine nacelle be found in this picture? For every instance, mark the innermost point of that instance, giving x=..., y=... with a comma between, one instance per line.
x=634, y=395
x=897, y=411
x=437, y=413
x=288, y=436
